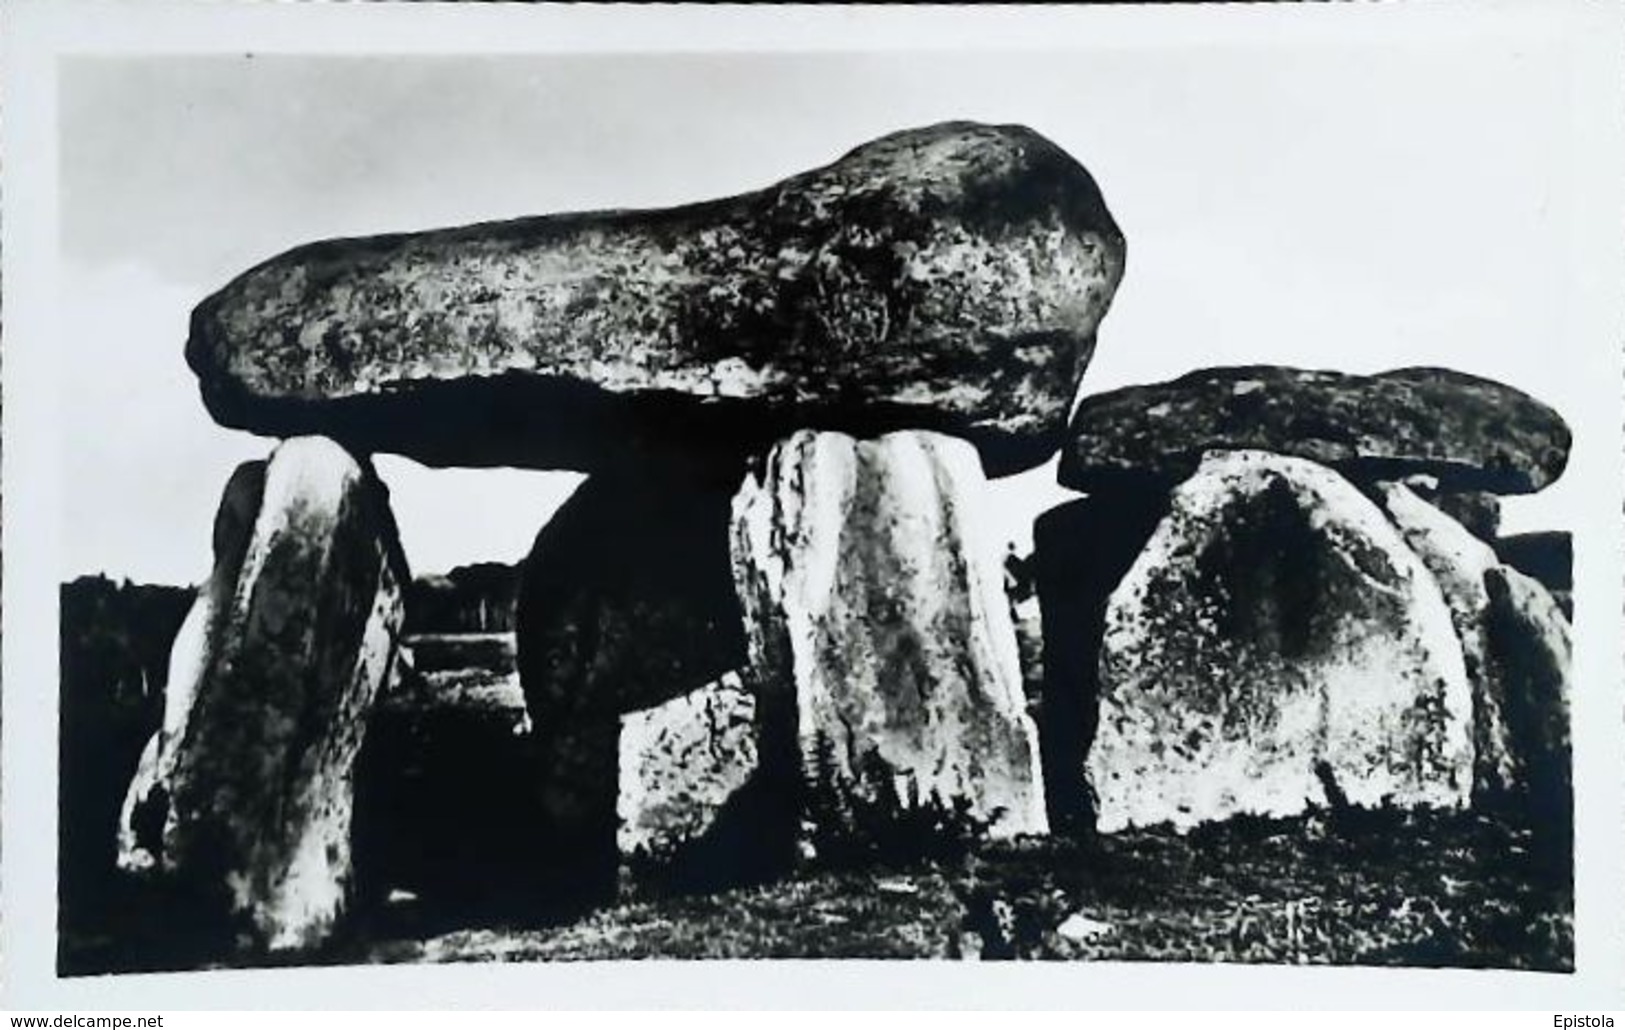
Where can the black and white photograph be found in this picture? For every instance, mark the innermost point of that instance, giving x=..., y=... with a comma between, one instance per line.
x=1081, y=490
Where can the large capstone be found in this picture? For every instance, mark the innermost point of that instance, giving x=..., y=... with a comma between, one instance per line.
x=1468, y=433
x=948, y=277
x=625, y=602
x=879, y=629
x=1277, y=646
x=244, y=800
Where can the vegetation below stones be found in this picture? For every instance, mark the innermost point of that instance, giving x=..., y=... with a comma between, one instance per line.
x=1428, y=889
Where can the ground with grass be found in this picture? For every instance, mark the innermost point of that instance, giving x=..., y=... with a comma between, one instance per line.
x=1397, y=889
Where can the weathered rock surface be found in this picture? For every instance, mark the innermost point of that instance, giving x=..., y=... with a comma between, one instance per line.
x=146, y=806
x=1460, y=562
x=880, y=629
x=684, y=768
x=626, y=602
x=1529, y=642
x=246, y=799
x=1469, y=433
x=1276, y=645
x=143, y=817
x=1082, y=550
x=949, y=277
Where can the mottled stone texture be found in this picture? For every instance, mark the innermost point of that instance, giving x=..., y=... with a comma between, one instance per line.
x=146, y=810
x=1468, y=433
x=1459, y=561
x=1276, y=645
x=245, y=799
x=878, y=623
x=686, y=768
x=626, y=601
x=948, y=277
x=1082, y=550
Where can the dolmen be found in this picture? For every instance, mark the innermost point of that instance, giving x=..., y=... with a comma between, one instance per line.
x=1284, y=592
x=772, y=615
x=774, y=624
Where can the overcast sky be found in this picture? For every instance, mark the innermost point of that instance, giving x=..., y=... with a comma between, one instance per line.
x=1356, y=207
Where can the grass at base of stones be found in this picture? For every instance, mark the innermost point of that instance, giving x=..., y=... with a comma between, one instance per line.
x=1458, y=890
x=1386, y=889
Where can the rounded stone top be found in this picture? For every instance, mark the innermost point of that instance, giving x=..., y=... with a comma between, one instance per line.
x=948, y=277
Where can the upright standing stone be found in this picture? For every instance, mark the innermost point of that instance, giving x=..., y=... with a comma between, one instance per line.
x=1460, y=561
x=625, y=602
x=247, y=801
x=1530, y=644
x=948, y=277
x=146, y=806
x=877, y=616
x=1277, y=645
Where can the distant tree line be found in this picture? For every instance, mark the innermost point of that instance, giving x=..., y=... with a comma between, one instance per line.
x=468, y=599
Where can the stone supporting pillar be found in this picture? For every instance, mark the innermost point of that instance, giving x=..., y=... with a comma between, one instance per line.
x=244, y=798
x=878, y=628
x=625, y=604
x=1276, y=646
